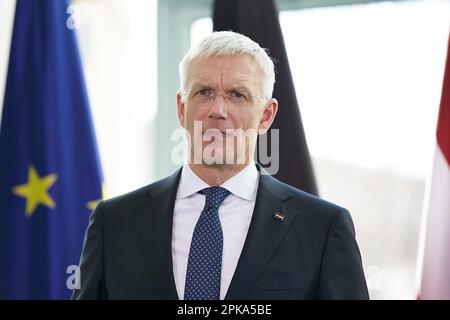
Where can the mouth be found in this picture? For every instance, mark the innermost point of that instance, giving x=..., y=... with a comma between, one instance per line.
x=215, y=132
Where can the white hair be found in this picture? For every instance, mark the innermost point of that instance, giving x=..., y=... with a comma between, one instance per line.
x=228, y=43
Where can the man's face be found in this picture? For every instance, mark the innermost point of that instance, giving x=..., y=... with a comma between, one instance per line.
x=225, y=95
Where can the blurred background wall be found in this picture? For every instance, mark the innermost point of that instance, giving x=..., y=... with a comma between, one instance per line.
x=368, y=76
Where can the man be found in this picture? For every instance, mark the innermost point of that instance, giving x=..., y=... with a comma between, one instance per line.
x=221, y=227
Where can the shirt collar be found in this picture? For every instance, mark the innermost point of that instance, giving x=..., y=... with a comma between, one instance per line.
x=244, y=184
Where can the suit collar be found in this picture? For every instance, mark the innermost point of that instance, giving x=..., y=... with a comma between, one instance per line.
x=164, y=185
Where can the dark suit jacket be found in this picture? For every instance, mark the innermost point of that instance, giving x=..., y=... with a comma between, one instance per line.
x=311, y=254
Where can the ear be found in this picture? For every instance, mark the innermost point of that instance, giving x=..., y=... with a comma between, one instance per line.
x=268, y=116
x=181, y=108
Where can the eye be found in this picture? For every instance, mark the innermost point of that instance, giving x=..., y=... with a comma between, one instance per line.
x=203, y=92
x=238, y=95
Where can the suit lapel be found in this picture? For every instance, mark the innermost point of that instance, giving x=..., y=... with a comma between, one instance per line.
x=154, y=222
x=264, y=235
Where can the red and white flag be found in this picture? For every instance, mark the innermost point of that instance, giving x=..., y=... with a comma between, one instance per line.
x=434, y=253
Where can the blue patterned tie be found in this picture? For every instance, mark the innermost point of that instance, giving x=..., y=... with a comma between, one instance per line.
x=205, y=255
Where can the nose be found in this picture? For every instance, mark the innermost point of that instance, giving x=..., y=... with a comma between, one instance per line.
x=219, y=108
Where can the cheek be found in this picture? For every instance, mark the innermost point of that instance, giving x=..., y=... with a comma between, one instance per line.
x=196, y=113
x=189, y=115
x=247, y=119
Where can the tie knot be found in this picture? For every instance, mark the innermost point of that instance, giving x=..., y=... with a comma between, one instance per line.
x=214, y=196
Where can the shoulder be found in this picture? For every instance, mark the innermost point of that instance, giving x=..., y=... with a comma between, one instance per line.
x=136, y=199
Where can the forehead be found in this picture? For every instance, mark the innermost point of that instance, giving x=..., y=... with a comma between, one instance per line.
x=225, y=70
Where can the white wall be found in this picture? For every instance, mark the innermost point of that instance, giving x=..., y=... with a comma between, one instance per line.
x=6, y=22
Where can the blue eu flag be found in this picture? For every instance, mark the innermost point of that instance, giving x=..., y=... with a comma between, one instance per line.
x=50, y=176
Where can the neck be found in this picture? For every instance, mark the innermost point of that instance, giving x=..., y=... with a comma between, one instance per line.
x=215, y=175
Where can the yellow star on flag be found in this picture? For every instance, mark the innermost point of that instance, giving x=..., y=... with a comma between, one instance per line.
x=35, y=191
x=92, y=204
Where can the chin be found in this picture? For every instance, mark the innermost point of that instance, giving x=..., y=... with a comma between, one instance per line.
x=221, y=160
x=215, y=159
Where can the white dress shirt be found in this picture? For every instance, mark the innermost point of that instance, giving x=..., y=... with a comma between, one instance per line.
x=235, y=215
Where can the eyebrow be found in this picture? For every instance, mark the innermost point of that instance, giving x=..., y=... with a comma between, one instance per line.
x=241, y=88
x=197, y=85
x=200, y=85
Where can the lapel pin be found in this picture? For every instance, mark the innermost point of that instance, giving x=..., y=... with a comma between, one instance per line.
x=279, y=216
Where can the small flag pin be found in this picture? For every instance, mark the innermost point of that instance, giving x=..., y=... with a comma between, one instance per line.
x=279, y=216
